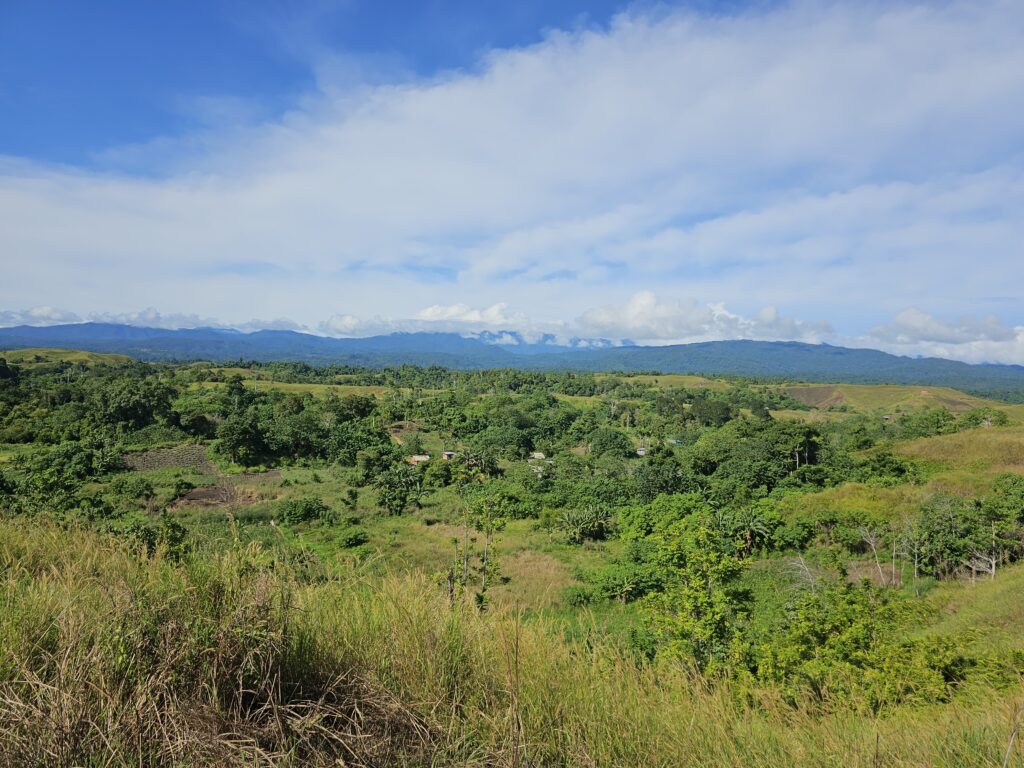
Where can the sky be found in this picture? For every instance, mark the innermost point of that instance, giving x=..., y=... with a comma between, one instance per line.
x=840, y=172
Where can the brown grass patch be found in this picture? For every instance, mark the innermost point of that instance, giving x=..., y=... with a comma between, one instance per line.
x=535, y=580
x=993, y=449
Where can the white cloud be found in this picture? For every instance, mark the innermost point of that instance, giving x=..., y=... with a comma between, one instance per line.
x=151, y=318
x=37, y=316
x=832, y=160
x=968, y=338
x=490, y=317
x=646, y=319
x=643, y=318
x=912, y=326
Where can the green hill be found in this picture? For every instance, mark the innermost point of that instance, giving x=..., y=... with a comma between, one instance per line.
x=36, y=356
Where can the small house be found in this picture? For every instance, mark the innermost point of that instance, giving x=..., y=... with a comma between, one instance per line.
x=447, y=455
x=537, y=456
x=418, y=458
x=641, y=451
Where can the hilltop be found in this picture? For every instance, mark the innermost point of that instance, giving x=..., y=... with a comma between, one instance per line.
x=41, y=356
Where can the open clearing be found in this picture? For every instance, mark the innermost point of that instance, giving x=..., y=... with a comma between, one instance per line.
x=36, y=356
x=887, y=397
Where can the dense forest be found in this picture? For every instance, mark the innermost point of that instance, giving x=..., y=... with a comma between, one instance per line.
x=783, y=562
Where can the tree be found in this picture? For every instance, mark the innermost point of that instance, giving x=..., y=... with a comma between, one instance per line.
x=489, y=514
x=750, y=527
x=699, y=615
x=608, y=440
x=134, y=403
x=241, y=437
x=398, y=487
x=709, y=412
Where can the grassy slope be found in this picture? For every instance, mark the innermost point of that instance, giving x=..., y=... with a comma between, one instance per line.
x=886, y=397
x=990, y=611
x=108, y=659
x=28, y=357
x=684, y=380
x=967, y=462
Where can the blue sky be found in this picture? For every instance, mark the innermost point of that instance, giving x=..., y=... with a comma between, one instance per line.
x=83, y=77
x=850, y=172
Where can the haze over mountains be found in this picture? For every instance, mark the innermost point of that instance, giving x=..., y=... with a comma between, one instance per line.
x=791, y=360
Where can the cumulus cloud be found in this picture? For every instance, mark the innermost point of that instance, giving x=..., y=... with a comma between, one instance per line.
x=645, y=318
x=147, y=318
x=451, y=318
x=968, y=338
x=37, y=316
x=837, y=160
x=151, y=318
x=912, y=326
x=493, y=316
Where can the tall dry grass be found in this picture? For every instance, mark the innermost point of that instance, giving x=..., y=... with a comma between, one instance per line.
x=107, y=659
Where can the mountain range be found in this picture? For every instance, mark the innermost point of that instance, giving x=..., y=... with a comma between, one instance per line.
x=508, y=349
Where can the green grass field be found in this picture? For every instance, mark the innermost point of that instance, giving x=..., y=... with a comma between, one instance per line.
x=32, y=357
x=685, y=381
x=884, y=397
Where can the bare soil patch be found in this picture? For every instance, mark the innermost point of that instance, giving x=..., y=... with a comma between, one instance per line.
x=224, y=493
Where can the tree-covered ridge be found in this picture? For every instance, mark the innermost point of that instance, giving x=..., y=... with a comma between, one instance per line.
x=721, y=527
x=793, y=361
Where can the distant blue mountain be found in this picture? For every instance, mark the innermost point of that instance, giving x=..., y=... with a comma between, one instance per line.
x=763, y=359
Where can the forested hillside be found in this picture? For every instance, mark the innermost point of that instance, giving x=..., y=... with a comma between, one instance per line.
x=761, y=359
x=291, y=565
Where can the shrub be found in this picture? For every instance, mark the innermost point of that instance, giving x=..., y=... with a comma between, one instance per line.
x=304, y=509
x=352, y=537
x=130, y=487
x=578, y=595
x=592, y=523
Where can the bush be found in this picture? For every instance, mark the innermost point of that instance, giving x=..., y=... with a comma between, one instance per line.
x=578, y=595
x=130, y=487
x=592, y=523
x=352, y=537
x=304, y=509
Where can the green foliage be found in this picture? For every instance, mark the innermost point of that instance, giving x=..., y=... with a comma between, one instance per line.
x=397, y=487
x=168, y=536
x=983, y=417
x=610, y=441
x=698, y=617
x=674, y=539
x=352, y=537
x=578, y=595
x=628, y=579
x=589, y=523
x=130, y=487
x=303, y=509
x=840, y=643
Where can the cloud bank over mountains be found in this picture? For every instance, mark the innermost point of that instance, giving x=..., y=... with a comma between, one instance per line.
x=813, y=171
x=643, y=319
